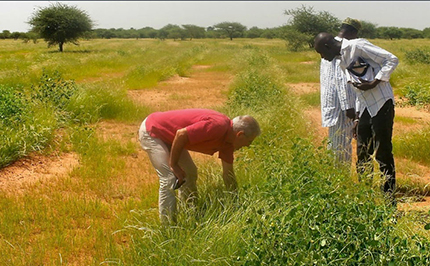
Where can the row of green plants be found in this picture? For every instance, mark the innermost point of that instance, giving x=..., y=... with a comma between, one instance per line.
x=294, y=205
x=30, y=118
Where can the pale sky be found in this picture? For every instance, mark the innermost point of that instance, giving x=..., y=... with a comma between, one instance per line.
x=263, y=14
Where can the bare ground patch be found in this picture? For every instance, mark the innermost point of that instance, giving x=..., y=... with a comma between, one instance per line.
x=15, y=177
x=200, y=90
x=304, y=88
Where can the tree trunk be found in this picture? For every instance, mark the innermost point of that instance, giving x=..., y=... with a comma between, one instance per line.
x=60, y=46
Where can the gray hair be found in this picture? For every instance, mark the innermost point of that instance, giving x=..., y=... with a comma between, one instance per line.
x=247, y=124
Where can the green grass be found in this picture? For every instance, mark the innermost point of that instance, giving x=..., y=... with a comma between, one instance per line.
x=294, y=205
x=312, y=99
x=414, y=146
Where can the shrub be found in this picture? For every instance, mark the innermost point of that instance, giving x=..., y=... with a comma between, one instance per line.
x=418, y=56
x=28, y=124
x=12, y=105
x=296, y=40
x=92, y=103
x=417, y=93
x=24, y=126
x=53, y=89
x=253, y=89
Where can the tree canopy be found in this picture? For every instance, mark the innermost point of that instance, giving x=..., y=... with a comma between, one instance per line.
x=305, y=24
x=60, y=24
x=232, y=29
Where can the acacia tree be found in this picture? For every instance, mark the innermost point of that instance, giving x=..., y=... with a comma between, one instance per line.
x=60, y=24
x=232, y=29
x=194, y=31
x=306, y=24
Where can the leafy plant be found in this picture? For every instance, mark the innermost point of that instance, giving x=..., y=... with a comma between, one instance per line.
x=12, y=105
x=418, y=93
x=53, y=89
x=418, y=56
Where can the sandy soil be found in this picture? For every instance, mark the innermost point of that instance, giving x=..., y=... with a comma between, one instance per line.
x=35, y=168
x=201, y=90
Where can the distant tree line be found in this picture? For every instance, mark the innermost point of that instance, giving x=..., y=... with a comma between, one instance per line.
x=189, y=32
x=60, y=23
x=26, y=36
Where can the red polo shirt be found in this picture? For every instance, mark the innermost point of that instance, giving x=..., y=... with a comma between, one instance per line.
x=208, y=131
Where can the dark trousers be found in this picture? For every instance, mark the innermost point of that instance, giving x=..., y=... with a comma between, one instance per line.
x=374, y=135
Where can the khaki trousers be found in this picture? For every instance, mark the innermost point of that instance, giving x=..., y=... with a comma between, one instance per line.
x=159, y=153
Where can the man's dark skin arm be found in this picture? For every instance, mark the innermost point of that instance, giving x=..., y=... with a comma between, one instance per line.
x=350, y=113
x=354, y=128
x=366, y=85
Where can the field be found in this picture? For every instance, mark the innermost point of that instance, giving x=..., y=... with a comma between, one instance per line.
x=77, y=189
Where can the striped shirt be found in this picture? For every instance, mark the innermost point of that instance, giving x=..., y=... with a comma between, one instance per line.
x=383, y=64
x=336, y=94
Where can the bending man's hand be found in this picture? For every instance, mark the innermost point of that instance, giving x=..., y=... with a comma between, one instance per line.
x=179, y=142
x=229, y=176
x=179, y=173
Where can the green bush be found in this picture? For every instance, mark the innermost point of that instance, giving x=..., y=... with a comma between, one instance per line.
x=12, y=105
x=296, y=40
x=418, y=56
x=24, y=125
x=28, y=123
x=92, y=103
x=256, y=87
x=34, y=132
x=417, y=93
x=253, y=89
x=53, y=89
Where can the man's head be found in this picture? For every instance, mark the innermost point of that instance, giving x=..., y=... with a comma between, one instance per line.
x=349, y=29
x=245, y=129
x=327, y=46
